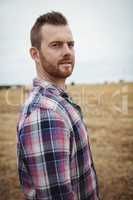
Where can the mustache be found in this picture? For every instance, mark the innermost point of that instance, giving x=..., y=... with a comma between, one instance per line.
x=63, y=61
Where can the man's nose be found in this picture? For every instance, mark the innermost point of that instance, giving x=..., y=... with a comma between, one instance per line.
x=66, y=50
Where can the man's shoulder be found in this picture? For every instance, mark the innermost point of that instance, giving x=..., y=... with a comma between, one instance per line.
x=38, y=102
x=41, y=99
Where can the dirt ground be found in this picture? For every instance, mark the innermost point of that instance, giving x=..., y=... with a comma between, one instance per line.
x=108, y=111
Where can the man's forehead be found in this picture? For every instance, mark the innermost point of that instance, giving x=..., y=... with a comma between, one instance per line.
x=56, y=32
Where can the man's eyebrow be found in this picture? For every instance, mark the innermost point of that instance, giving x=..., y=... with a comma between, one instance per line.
x=60, y=41
x=71, y=41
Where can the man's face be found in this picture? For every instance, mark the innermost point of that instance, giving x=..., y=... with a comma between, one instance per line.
x=57, y=56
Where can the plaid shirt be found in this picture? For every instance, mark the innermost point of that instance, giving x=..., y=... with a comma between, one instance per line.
x=54, y=157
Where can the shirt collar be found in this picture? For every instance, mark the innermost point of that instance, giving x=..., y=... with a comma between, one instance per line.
x=56, y=91
x=45, y=84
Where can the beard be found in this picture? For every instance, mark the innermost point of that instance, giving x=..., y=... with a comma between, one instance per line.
x=60, y=70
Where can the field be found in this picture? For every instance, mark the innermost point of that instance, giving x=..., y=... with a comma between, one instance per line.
x=108, y=111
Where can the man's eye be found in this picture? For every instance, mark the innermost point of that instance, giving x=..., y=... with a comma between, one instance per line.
x=71, y=44
x=56, y=44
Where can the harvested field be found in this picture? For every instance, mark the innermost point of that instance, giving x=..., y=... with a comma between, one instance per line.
x=108, y=111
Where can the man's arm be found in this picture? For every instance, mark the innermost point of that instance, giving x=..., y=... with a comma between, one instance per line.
x=44, y=163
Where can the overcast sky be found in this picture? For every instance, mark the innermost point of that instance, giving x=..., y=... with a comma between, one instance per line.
x=102, y=29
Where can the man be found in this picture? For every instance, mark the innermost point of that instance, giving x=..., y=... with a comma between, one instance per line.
x=54, y=156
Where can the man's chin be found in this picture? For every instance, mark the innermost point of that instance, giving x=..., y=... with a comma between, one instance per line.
x=65, y=74
x=66, y=68
x=68, y=72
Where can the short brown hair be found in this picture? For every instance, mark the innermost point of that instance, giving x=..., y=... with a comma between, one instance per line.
x=53, y=18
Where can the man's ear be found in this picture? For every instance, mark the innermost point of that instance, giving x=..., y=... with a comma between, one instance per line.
x=34, y=52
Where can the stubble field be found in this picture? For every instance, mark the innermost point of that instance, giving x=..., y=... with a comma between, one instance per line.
x=108, y=112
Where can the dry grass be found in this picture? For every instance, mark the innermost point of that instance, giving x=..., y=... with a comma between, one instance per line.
x=108, y=111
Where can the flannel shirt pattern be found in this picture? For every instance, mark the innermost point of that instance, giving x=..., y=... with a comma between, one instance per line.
x=54, y=156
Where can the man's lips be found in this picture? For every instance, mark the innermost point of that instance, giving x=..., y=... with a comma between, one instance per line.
x=66, y=62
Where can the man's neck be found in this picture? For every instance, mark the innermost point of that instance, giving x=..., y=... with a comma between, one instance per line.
x=59, y=84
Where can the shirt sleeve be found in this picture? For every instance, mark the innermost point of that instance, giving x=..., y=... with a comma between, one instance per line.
x=44, y=167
